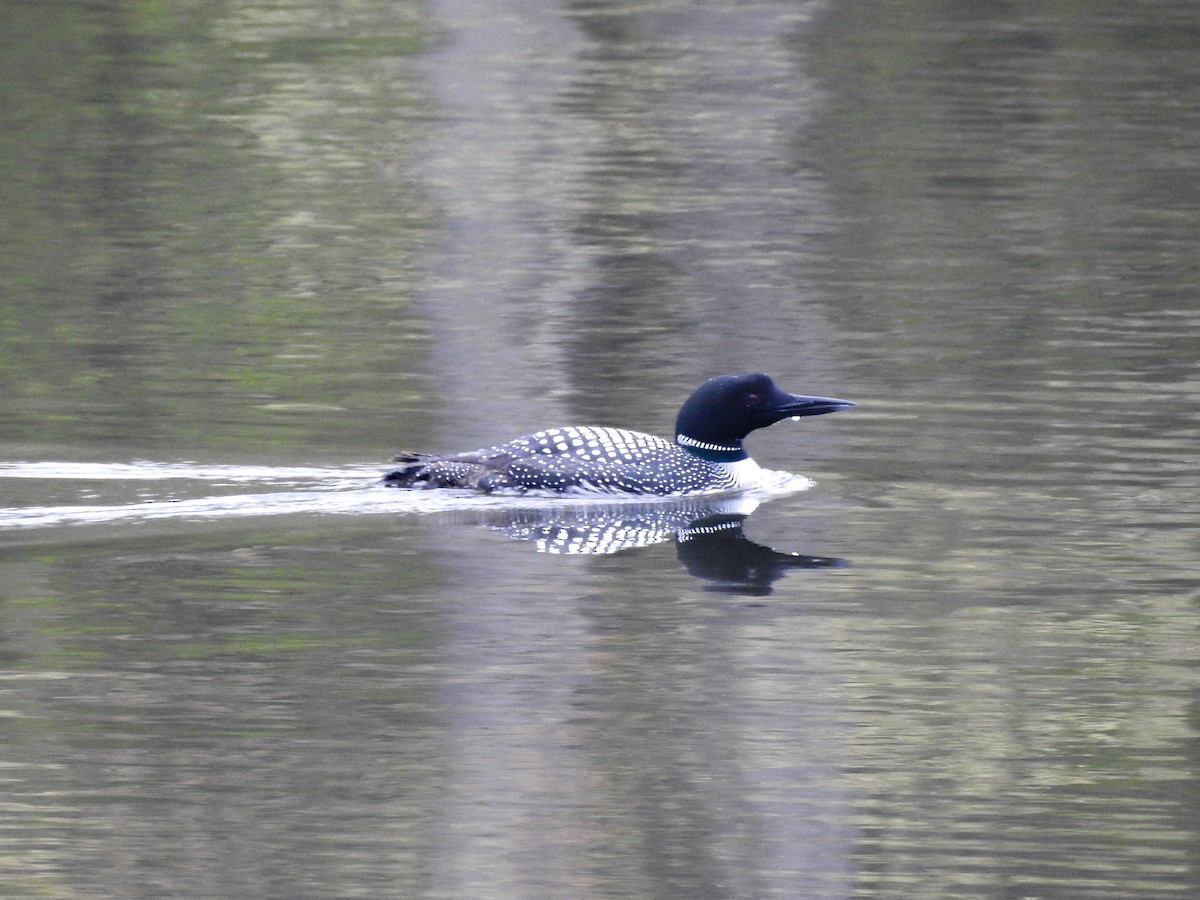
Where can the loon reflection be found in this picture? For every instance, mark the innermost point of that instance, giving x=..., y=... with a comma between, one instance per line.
x=708, y=536
x=716, y=551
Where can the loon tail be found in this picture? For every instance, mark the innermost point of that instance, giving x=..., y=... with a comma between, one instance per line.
x=470, y=471
x=411, y=469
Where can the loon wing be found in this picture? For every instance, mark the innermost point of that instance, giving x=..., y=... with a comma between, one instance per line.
x=577, y=459
x=493, y=470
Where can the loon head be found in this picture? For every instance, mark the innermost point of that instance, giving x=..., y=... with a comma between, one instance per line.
x=723, y=410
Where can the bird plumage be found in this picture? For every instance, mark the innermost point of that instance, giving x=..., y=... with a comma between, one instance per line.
x=707, y=455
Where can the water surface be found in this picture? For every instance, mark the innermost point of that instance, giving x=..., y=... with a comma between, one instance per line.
x=254, y=249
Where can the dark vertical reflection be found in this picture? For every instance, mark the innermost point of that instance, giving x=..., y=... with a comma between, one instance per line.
x=619, y=221
x=699, y=233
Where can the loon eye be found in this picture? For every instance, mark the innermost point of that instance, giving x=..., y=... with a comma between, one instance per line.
x=752, y=399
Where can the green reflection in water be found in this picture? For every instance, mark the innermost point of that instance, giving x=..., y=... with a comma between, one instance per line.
x=207, y=247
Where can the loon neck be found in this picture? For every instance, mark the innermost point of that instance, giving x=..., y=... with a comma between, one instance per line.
x=729, y=452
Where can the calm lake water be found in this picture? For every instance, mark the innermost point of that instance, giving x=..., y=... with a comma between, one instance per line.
x=251, y=249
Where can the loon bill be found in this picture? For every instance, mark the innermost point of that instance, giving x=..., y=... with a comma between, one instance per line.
x=707, y=454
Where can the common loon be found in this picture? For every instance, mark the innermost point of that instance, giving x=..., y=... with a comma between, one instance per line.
x=707, y=454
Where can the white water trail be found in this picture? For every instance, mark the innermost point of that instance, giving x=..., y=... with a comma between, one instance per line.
x=310, y=490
